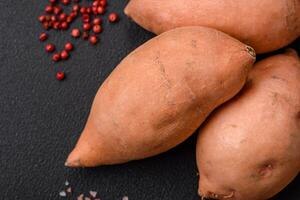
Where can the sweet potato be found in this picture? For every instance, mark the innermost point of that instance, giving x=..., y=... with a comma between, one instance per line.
x=266, y=25
x=159, y=94
x=249, y=148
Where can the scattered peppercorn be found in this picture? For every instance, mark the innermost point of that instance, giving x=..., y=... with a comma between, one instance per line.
x=100, y=10
x=85, y=35
x=97, y=29
x=43, y=36
x=75, y=33
x=64, y=55
x=86, y=18
x=56, y=18
x=113, y=17
x=64, y=25
x=69, y=46
x=86, y=26
x=50, y=47
x=97, y=21
x=46, y=25
x=93, y=39
x=56, y=57
x=42, y=18
x=49, y=9
x=60, y=76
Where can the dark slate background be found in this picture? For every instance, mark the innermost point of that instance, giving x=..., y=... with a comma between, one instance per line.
x=41, y=118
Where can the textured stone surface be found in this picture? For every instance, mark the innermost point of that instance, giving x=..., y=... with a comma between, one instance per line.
x=41, y=118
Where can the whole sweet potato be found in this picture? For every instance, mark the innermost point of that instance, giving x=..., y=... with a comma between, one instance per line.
x=266, y=25
x=160, y=94
x=249, y=148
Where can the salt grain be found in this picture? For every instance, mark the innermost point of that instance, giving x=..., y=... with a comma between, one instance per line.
x=93, y=193
x=69, y=190
x=80, y=197
x=62, y=194
x=67, y=183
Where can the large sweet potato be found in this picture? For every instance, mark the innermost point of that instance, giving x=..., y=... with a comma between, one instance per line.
x=160, y=94
x=249, y=149
x=266, y=25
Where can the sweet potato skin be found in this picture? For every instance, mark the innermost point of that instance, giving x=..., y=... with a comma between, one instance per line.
x=249, y=148
x=266, y=25
x=160, y=93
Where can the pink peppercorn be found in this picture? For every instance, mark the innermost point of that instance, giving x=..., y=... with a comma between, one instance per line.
x=93, y=39
x=86, y=26
x=97, y=21
x=113, y=17
x=97, y=29
x=69, y=46
x=50, y=47
x=56, y=57
x=75, y=33
x=60, y=76
x=49, y=9
x=64, y=55
x=43, y=36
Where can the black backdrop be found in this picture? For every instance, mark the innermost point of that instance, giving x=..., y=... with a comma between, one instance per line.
x=41, y=118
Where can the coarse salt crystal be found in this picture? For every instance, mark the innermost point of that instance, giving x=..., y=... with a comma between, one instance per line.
x=80, y=197
x=69, y=190
x=93, y=193
x=62, y=194
x=67, y=183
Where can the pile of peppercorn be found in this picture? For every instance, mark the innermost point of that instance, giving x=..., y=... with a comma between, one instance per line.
x=56, y=18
